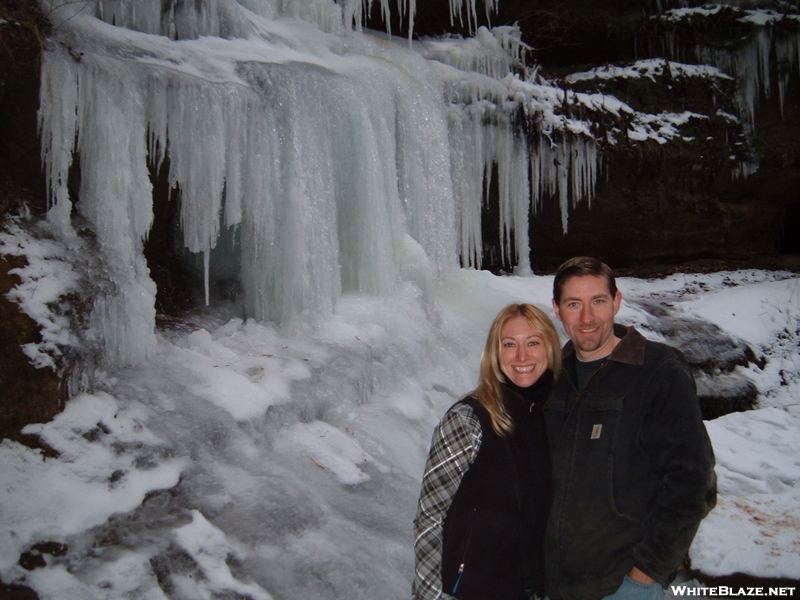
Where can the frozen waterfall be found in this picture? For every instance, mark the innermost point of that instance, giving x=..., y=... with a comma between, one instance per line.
x=341, y=161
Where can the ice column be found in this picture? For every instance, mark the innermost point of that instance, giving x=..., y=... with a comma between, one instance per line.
x=58, y=125
x=115, y=191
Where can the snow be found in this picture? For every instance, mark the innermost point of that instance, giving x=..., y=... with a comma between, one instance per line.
x=758, y=468
x=760, y=17
x=662, y=127
x=768, y=311
x=330, y=448
x=678, y=14
x=46, y=277
x=82, y=488
x=649, y=68
x=286, y=461
x=212, y=550
x=756, y=16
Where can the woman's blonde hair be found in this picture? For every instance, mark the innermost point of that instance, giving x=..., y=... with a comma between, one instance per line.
x=488, y=390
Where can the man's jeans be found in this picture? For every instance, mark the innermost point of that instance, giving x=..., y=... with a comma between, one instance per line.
x=633, y=590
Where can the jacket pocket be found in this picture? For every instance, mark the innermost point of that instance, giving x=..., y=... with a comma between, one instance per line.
x=597, y=423
x=592, y=463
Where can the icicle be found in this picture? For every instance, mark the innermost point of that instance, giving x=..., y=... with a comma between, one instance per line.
x=459, y=7
x=58, y=124
x=143, y=15
x=584, y=169
x=466, y=143
x=751, y=67
x=176, y=19
x=412, y=10
x=494, y=53
x=509, y=154
x=568, y=169
x=563, y=170
x=786, y=51
x=206, y=264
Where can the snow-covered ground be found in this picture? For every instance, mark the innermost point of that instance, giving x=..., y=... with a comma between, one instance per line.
x=248, y=460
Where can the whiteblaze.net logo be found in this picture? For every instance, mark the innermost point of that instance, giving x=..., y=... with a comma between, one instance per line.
x=730, y=591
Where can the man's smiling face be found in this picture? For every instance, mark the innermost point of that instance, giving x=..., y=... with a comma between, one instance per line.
x=587, y=310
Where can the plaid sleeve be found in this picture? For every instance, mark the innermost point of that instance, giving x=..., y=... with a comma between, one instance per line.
x=454, y=447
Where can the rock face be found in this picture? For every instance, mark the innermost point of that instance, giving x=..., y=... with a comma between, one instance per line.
x=661, y=205
x=29, y=395
x=684, y=201
x=22, y=35
x=674, y=204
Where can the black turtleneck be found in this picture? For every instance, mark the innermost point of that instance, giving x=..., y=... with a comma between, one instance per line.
x=536, y=393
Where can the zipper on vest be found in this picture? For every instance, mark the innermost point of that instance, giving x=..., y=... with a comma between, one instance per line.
x=464, y=555
x=458, y=579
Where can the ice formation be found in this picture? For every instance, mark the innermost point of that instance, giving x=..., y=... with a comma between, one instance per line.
x=338, y=161
x=749, y=63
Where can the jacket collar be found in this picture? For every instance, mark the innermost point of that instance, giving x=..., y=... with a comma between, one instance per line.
x=630, y=349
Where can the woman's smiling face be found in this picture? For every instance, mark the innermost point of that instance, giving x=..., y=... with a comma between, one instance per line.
x=523, y=355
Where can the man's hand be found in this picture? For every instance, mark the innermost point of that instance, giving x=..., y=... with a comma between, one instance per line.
x=640, y=576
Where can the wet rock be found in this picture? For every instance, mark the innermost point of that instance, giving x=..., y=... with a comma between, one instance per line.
x=160, y=510
x=34, y=559
x=725, y=393
x=52, y=548
x=713, y=357
x=116, y=477
x=174, y=561
x=96, y=432
x=31, y=560
x=11, y=591
x=704, y=345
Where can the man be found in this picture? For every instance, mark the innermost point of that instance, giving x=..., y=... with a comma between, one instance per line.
x=633, y=468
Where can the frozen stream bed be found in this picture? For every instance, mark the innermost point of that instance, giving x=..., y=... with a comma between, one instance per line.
x=249, y=461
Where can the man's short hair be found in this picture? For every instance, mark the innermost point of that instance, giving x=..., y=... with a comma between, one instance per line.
x=580, y=266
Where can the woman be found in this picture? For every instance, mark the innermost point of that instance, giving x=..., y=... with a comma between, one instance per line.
x=485, y=496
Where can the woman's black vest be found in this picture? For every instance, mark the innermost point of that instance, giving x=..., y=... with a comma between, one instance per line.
x=494, y=528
